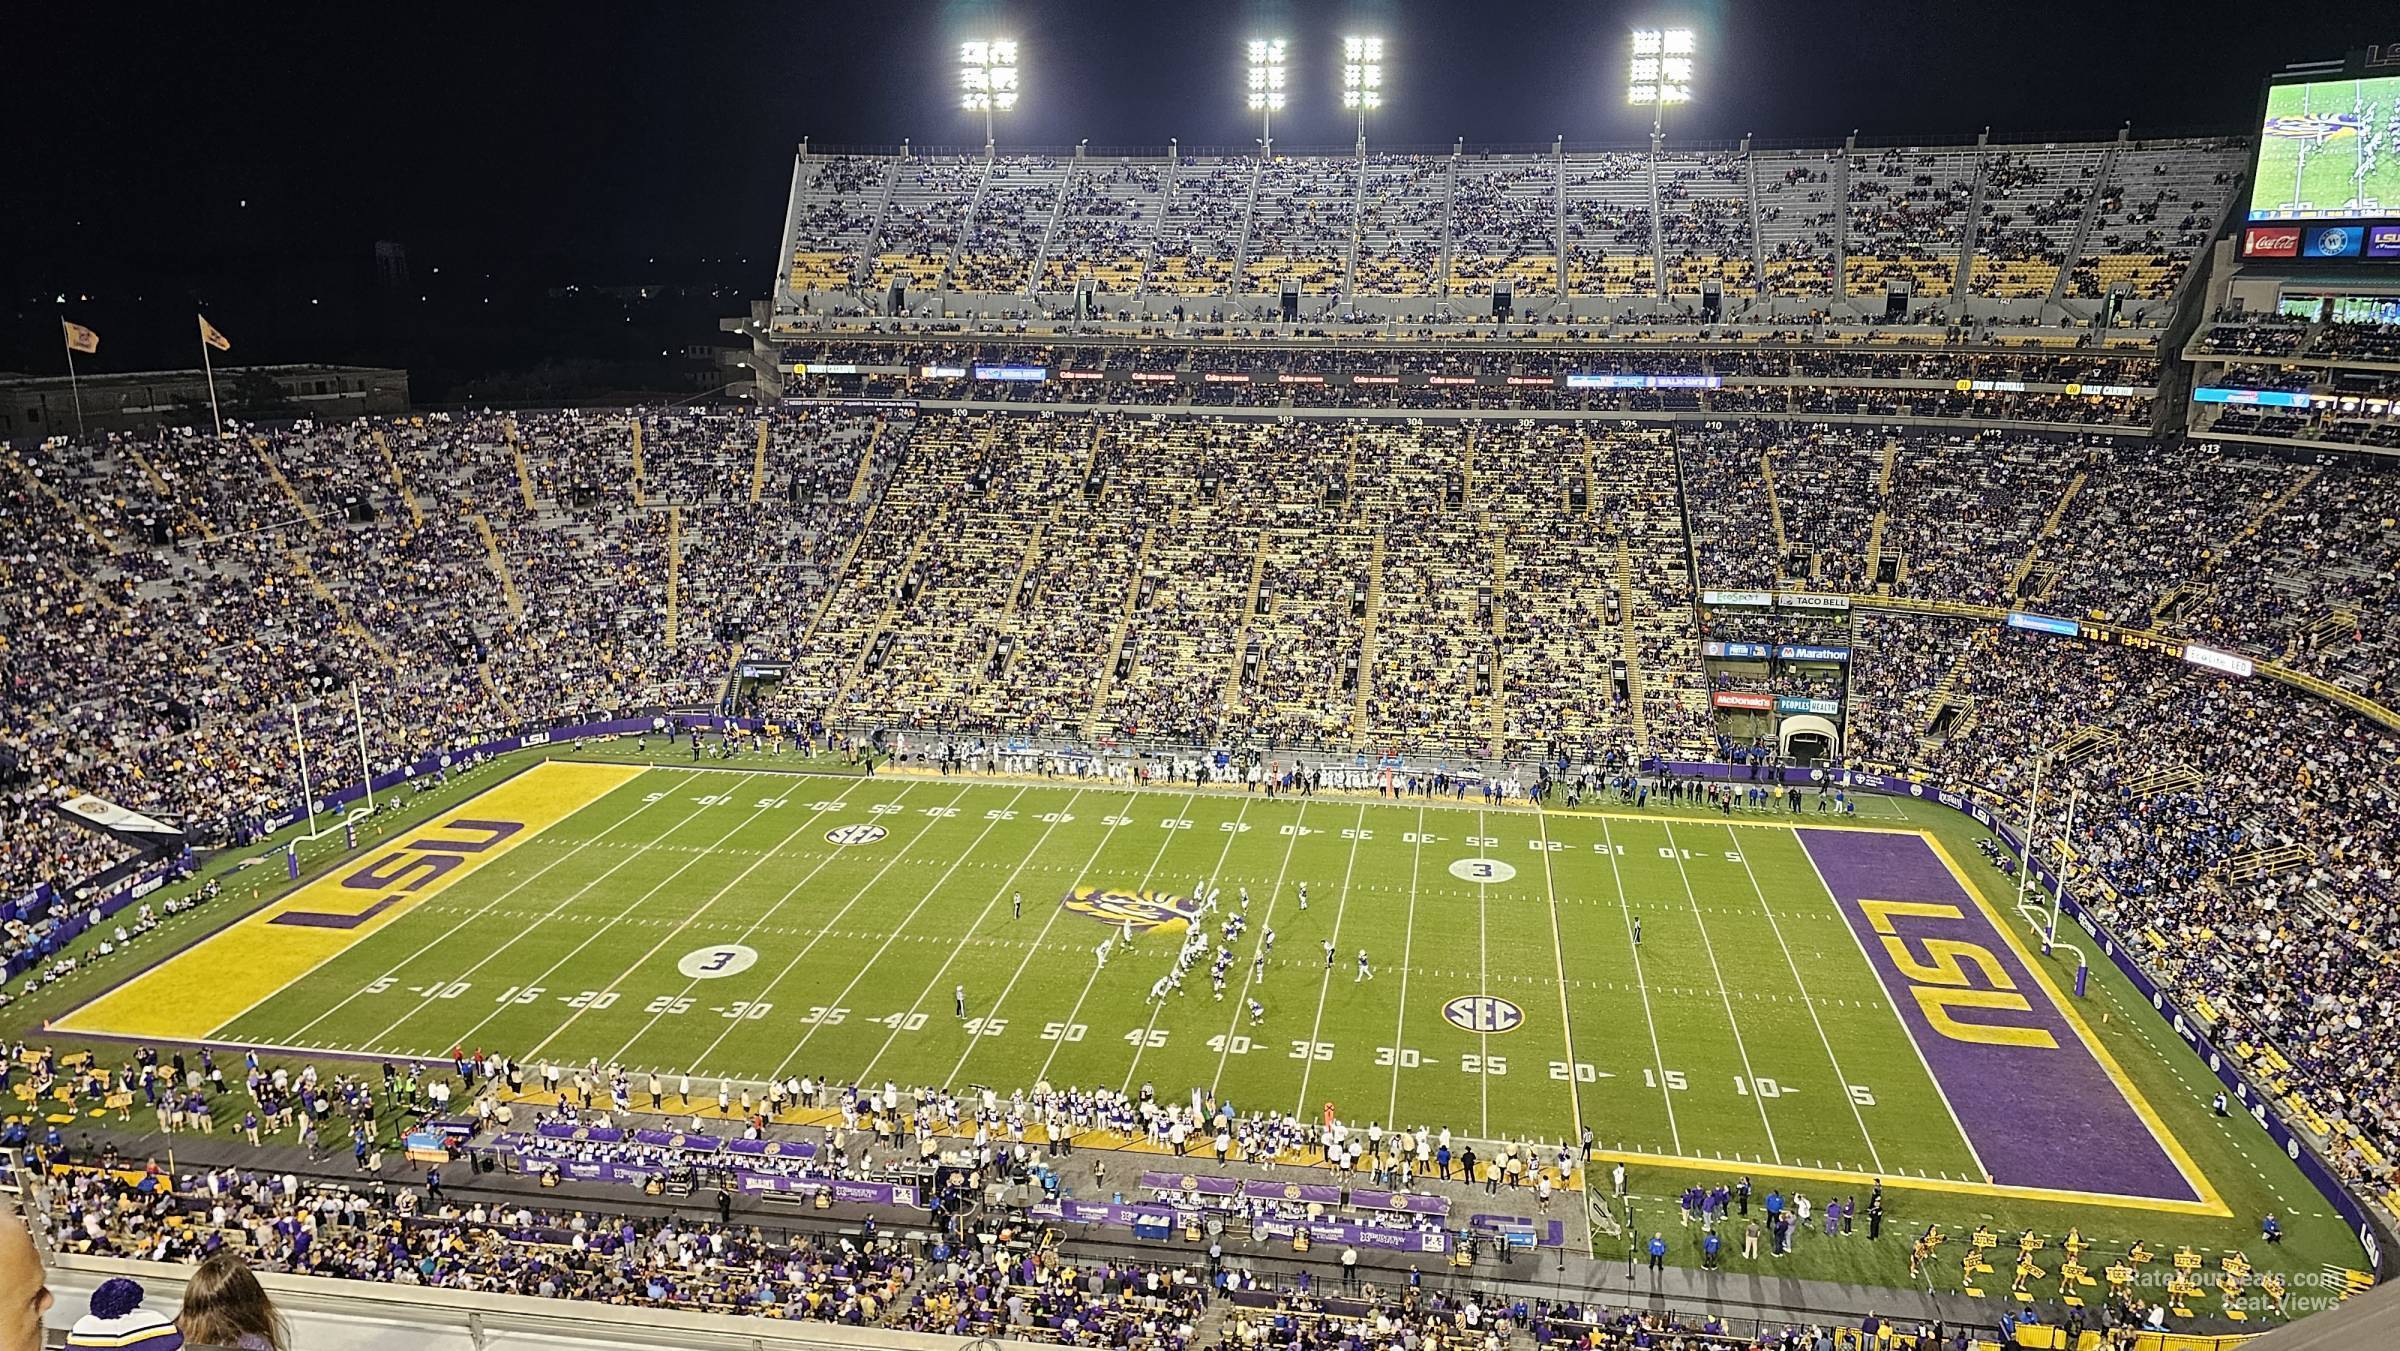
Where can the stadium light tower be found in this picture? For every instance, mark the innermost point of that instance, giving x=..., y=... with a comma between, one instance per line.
x=1362, y=78
x=1266, y=88
x=987, y=80
x=1660, y=74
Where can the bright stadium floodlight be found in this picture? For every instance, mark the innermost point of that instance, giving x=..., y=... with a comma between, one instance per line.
x=1266, y=87
x=1362, y=77
x=987, y=80
x=1660, y=73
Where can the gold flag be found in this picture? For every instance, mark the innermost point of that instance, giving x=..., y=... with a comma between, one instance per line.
x=210, y=335
x=80, y=339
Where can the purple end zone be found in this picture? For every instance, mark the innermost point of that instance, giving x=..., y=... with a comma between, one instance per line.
x=2037, y=1115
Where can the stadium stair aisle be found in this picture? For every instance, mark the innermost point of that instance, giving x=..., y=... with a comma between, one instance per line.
x=1366, y=642
x=674, y=564
x=65, y=507
x=266, y=457
x=516, y=457
x=1630, y=638
x=1766, y=477
x=498, y=562
x=2033, y=547
x=408, y=498
x=639, y=498
x=341, y=607
x=758, y=466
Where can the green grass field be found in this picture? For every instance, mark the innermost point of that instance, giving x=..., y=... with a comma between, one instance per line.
x=570, y=950
x=2309, y=154
x=1746, y=1031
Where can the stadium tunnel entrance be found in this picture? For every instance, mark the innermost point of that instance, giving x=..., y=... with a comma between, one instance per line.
x=1810, y=738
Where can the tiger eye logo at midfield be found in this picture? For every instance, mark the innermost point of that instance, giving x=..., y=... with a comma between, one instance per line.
x=1145, y=910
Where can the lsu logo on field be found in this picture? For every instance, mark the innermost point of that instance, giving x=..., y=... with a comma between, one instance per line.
x=1147, y=911
x=2313, y=126
x=1483, y=1013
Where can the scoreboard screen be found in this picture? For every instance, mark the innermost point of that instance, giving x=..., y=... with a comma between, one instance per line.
x=2326, y=184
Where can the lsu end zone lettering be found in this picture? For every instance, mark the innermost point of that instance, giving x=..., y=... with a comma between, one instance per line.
x=2043, y=1106
x=204, y=987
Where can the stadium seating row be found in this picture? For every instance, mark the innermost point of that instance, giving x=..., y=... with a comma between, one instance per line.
x=1999, y=222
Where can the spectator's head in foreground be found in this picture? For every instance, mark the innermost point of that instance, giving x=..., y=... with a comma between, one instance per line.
x=24, y=1295
x=224, y=1305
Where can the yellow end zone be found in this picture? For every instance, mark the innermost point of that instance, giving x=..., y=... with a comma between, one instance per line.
x=199, y=990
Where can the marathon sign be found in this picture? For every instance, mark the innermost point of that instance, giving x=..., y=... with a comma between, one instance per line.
x=1811, y=652
x=1744, y=699
x=2271, y=241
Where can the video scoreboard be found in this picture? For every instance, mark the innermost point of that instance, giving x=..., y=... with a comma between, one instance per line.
x=2325, y=185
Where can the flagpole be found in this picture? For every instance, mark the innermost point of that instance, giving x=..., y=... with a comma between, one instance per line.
x=75, y=387
x=211, y=368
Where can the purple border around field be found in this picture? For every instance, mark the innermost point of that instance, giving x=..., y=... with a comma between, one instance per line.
x=2369, y=1231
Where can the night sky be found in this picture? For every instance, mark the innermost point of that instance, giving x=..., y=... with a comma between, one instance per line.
x=248, y=157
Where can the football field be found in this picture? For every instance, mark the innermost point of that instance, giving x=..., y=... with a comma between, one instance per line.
x=1762, y=993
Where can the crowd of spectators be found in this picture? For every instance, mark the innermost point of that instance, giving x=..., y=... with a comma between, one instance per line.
x=1632, y=223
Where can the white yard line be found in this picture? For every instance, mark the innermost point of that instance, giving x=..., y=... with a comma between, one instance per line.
x=1875, y=975
x=1724, y=995
x=1407, y=946
x=693, y=983
x=893, y=936
x=1483, y=965
x=480, y=911
x=674, y=931
x=1038, y=941
x=1324, y=987
x=531, y=929
x=1214, y=873
x=934, y=982
x=1641, y=984
x=1558, y=953
x=1874, y=1155
x=1165, y=838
